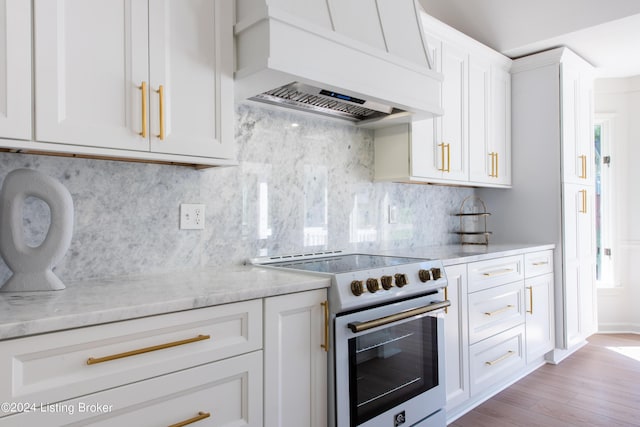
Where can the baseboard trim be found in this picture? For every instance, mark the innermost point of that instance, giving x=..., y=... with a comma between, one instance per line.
x=618, y=328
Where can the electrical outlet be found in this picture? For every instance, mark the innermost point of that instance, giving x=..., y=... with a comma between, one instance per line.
x=191, y=216
x=393, y=214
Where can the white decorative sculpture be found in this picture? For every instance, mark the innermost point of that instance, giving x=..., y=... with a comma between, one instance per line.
x=31, y=266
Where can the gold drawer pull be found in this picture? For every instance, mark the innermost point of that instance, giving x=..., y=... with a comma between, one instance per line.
x=539, y=263
x=530, y=311
x=446, y=298
x=498, y=272
x=201, y=416
x=94, y=360
x=501, y=358
x=502, y=310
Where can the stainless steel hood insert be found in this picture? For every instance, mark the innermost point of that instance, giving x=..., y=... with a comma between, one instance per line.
x=330, y=103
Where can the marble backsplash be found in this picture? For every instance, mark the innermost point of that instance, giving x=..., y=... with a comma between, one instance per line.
x=303, y=184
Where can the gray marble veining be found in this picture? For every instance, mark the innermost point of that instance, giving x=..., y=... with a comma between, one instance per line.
x=303, y=183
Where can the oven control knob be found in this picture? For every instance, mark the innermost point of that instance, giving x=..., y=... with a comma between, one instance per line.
x=401, y=280
x=357, y=288
x=436, y=273
x=424, y=275
x=387, y=282
x=373, y=285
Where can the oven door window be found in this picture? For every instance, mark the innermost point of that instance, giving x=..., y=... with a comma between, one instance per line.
x=392, y=365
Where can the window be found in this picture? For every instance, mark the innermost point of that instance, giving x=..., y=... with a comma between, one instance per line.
x=604, y=196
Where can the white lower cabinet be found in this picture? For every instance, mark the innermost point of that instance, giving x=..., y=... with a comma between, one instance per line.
x=540, y=328
x=499, y=325
x=496, y=358
x=207, y=366
x=456, y=341
x=225, y=393
x=295, y=359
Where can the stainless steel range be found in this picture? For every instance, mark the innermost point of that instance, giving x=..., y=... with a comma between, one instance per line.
x=387, y=330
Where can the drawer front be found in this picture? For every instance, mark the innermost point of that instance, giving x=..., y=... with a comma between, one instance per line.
x=54, y=367
x=538, y=263
x=228, y=391
x=495, y=310
x=496, y=359
x=495, y=272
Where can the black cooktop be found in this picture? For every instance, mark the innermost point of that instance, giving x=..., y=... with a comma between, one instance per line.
x=345, y=263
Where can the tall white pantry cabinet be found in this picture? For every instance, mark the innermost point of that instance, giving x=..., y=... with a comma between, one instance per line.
x=552, y=199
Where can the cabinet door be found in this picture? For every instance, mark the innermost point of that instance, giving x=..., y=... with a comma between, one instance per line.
x=577, y=129
x=90, y=60
x=455, y=332
x=295, y=362
x=539, y=317
x=453, y=142
x=578, y=237
x=500, y=126
x=481, y=157
x=15, y=69
x=191, y=58
x=440, y=147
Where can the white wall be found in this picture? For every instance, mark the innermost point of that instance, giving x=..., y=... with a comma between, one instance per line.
x=619, y=99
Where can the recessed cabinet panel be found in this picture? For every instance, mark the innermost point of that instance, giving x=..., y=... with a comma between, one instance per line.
x=189, y=59
x=15, y=69
x=90, y=60
x=481, y=160
x=494, y=310
x=539, y=325
x=456, y=341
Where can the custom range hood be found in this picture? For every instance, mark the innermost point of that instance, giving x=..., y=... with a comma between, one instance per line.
x=366, y=61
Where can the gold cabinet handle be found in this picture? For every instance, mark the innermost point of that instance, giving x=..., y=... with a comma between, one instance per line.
x=442, y=147
x=95, y=360
x=325, y=345
x=539, y=263
x=446, y=298
x=143, y=89
x=492, y=174
x=501, y=310
x=498, y=272
x=160, y=92
x=201, y=416
x=583, y=208
x=530, y=311
x=501, y=358
x=448, y=157
x=583, y=161
x=497, y=163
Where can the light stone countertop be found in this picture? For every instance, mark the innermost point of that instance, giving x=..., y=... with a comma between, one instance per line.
x=95, y=302
x=101, y=301
x=459, y=254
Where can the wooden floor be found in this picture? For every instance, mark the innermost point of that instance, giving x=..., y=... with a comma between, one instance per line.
x=596, y=386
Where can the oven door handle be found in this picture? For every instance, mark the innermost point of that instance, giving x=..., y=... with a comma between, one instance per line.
x=363, y=326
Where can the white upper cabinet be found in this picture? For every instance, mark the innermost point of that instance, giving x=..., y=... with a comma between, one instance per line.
x=15, y=69
x=139, y=75
x=90, y=59
x=471, y=143
x=577, y=105
x=193, y=63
